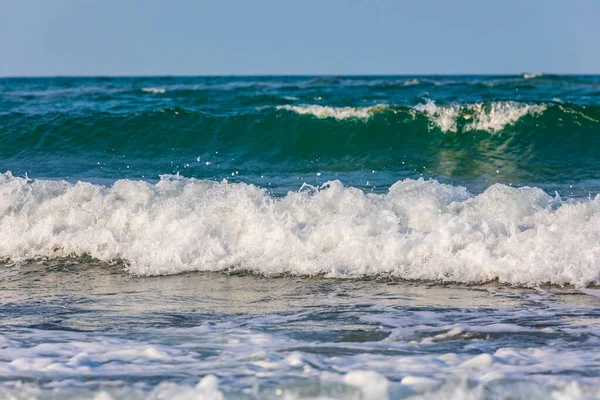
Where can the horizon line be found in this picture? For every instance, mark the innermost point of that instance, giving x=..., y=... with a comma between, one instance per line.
x=287, y=75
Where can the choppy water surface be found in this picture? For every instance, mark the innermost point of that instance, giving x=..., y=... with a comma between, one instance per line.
x=72, y=330
x=300, y=237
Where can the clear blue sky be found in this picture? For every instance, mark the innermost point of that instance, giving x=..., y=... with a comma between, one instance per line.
x=206, y=37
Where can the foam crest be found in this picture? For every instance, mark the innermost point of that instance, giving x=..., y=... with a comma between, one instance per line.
x=411, y=82
x=154, y=90
x=491, y=117
x=418, y=230
x=443, y=116
x=533, y=75
x=334, y=112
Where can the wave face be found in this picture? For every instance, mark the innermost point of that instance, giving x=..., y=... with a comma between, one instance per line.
x=278, y=132
x=420, y=229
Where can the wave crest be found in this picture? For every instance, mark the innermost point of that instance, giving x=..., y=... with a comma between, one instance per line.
x=533, y=75
x=491, y=117
x=334, y=112
x=154, y=90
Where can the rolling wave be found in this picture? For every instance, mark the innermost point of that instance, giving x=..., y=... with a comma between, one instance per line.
x=490, y=117
x=418, y=230
x=525, y=141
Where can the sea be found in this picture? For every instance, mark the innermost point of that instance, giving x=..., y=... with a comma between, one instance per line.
x=300, y=237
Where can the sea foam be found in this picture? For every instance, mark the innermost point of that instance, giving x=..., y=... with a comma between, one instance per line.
x=533, y=75
x=491, y=117
x=418, y=230
x=334, y=112
x=154, y=90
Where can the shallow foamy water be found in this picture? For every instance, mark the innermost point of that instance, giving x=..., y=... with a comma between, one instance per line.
x=82, y=329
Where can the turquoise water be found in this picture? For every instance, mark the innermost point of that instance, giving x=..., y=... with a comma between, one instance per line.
x=300, y=237
x=103, y=129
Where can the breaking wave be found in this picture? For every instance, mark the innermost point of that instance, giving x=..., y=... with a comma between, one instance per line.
x=492, y=117
x=419, y=230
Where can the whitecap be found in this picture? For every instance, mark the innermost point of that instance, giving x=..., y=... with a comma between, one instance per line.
x=154, y=90
x=533, y=75
x=411, y=82
x=334, y=112
x=491, y=117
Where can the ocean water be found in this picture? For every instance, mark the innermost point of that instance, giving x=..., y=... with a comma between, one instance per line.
x=300, y=237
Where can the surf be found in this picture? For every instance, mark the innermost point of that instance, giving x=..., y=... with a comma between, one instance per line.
x=418, y=230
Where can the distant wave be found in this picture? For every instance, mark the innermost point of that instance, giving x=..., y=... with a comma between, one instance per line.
x=411, y=82
x=154, y=90
x=418, y=230
x=334, y=112
x=533, y=76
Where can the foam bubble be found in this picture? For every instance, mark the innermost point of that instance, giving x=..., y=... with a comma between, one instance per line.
x=334, y=112
x=491, y=117
x=418, y=230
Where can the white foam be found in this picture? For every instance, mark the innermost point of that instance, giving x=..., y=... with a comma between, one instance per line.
x=444, y=117
x=419, y=230
x=491, y=117
x=248, y=358
x=206, y=389
x=334, y=112
x=154, y=90
x=533, y=76
x=372, y=384
x=494, y=117
x=411, y=82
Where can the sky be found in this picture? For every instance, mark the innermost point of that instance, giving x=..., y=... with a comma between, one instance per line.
x=301, y=37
